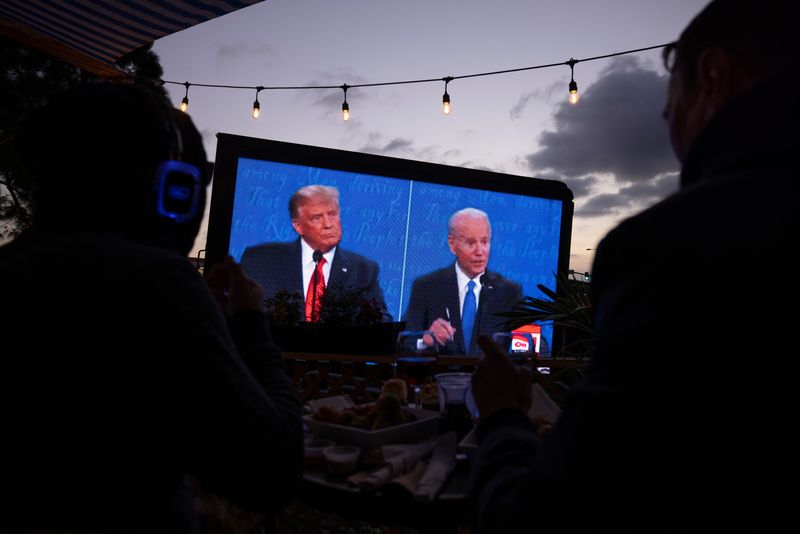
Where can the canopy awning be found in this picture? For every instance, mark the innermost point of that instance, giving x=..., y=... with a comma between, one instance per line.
x=94, y=34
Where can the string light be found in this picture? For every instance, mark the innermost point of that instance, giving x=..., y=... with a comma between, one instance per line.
x=185, y=101
x=446, y=109
x=573, y=86
x=345, y=105
x=256, y=105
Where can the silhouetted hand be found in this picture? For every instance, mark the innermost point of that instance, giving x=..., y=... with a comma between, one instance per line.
x=233, y=289
x=498, y=383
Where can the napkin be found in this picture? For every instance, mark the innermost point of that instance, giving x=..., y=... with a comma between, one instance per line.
x=403, y=468
x=542, y=405
x=396, y=460
x=442, y=463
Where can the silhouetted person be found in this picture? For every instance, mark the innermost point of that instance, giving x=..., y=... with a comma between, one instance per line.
x=120, y=378
x=687, y=420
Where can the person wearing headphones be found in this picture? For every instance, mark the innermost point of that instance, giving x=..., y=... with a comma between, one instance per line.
x=122, y=379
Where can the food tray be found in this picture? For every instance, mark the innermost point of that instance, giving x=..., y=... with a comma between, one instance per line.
x=426, y=425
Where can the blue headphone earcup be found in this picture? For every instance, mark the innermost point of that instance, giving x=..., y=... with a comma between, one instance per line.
x=178, y=187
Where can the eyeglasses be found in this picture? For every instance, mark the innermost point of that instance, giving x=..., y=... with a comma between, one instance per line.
x=668, y=55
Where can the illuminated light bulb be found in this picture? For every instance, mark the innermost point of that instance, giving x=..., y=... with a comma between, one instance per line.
x=185, y=102
x=573, y=93
x=256, y=109
x=573, y=87
x=345, y=105
x=446, y=108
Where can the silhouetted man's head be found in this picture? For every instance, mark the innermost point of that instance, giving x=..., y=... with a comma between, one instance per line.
x=727, y=48
x=92, y=154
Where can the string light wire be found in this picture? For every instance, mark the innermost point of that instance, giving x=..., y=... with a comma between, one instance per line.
x=344, y=87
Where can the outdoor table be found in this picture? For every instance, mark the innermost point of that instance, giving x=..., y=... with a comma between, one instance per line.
x=450, y=510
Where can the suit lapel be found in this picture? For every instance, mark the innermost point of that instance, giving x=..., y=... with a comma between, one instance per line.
x=486, y=303
x=295, y=267
x=339, y=267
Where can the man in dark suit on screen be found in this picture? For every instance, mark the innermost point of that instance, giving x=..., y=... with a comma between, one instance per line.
x=314, y=260
x=458, y=302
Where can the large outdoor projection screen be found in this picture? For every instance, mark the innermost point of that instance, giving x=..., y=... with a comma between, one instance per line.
x=393, y=211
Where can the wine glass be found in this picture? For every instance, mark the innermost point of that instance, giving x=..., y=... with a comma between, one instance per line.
x=416, y=355
x=454, y=402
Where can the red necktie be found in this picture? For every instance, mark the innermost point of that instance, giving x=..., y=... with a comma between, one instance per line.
x=315, y=293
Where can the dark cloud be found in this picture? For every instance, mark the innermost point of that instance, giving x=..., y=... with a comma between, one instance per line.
x=516, y=111
x=537, y=94
x=652, y=190
x=580, y=186
x=327, y=98
x=335, y=95
x=634, y=197
x=404, y=147
x=603, y=204
x=239, y=50
x=616, y=128
x=393, y=146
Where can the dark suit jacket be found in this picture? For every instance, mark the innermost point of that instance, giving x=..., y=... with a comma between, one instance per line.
x=434, y=292
x=277, y=266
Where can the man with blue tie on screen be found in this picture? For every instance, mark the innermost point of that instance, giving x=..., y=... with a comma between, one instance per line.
x=458, y=302
x=313, y=262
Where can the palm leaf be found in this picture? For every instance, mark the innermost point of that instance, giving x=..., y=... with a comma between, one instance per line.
x=569, y=307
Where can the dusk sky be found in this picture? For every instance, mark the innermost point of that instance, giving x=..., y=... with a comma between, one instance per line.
x=612, y=148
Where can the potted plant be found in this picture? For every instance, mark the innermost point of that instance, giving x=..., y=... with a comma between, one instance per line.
x=350, y=323
x=568, y=308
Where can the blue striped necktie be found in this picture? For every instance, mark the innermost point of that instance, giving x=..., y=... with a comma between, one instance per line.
x=468, y=314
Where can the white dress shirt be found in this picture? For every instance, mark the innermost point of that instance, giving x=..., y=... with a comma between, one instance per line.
x=307, y=257
x=463, y=280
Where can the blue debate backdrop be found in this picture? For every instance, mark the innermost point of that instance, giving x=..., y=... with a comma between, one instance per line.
x=401, y=224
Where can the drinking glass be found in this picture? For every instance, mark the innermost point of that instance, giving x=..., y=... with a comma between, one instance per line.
x=519, y=346
x=416, y=355
x=454, y=397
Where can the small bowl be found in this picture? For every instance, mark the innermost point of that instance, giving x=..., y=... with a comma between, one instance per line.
x=341, y=459
x=313, y=450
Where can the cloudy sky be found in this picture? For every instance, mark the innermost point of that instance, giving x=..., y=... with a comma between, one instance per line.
x=611, y=149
